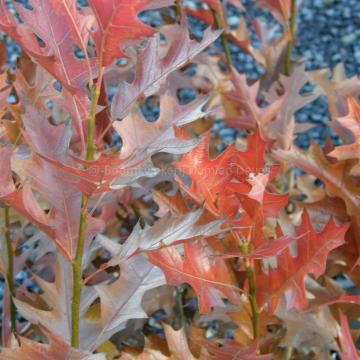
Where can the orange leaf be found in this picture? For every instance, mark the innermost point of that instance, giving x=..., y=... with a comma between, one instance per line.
x=209, y=277
x=118, y=25
x=288, y=277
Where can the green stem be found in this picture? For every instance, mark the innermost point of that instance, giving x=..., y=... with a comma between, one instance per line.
x=178, y=9
x=10, y=270
x=90, y=125
x=77, y=281
x=77, y=262
x=223, y=39
x=252, y=298
x=290, y=45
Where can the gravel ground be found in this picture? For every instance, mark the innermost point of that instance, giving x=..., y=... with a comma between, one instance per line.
x=328, y=33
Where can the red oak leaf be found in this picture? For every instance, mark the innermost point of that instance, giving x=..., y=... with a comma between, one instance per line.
x=209, y=277
x=244, y=97
x=118, y=25
x=59, y=31
x=56, y=187
x=336, y=179
x=154, y=65
x=49, y=34
x=288, y=277
x=211, y=178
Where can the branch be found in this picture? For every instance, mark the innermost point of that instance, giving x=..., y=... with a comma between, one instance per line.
x=77, y=262
x=255, y=312
x=252, y=298
x=178, y=10
x=223, y=39
x=10, y=269
x=290, y=45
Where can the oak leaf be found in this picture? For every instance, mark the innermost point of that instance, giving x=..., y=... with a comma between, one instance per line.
x=244, y=97
x=311, y=332
x=50, y=33
x=164, y=232
x=57, y=349
x=282, y=128
x=337, y=89
x=56, y=187
x=56, y=295
x=137, y=276
x=288, y=277
x=59, y=31
x=216, y=182
x=351, y=124
x=142, y=138
x=335, y=177
x=118, y=25
x=257, y=205
x=121, y=300
x=153, y=66
x=209, y=276
x=330, y=293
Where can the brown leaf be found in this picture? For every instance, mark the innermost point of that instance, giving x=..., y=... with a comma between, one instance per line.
x=351, y=124
x=163, y=233
x=153, y=67
x=142, y=138
x=282, y=128
x=57, y=349
x=310, y=332
x=121, y=300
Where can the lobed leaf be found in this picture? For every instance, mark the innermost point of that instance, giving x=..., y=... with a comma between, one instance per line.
x=288, y=276
x=153, y=67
